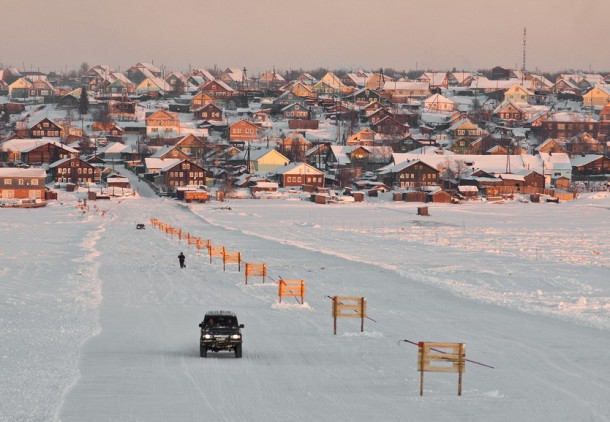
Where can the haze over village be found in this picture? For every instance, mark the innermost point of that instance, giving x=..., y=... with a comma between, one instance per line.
x=237, y=213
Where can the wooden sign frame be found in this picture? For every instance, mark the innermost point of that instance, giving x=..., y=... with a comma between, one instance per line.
x=231, y=258
x=216, y=251
x=294, y=288
x=348, y=307
x=201, y=242
x=256, y=270
x=441, y=357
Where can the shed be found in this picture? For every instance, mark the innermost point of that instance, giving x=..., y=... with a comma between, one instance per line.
x=439, y=196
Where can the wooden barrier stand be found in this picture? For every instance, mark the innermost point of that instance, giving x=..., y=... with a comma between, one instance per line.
x=201, y=244
x=441, y=357
x=256, y=270
x=231, y=258
x=216, y=251
x=348, y=307
x=294, y=288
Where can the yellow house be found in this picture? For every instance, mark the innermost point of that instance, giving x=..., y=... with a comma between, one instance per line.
x=201, y=100
x=301, y=90
x=261, y=159
x=597, y=97
x=518, y=94
x=366, y=137
x=333, y=80
x=21, y=88
x=153, y=84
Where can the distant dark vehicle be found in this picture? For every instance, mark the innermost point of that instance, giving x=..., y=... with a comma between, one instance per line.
x=220, y=331
x=140, y=226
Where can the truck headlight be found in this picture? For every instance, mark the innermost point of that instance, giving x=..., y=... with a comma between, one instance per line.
x=235, y=336
x=207, y=336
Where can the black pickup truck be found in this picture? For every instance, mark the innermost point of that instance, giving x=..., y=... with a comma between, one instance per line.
x=220, y=331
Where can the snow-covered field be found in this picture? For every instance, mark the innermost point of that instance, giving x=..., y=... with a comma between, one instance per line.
x=99, y=323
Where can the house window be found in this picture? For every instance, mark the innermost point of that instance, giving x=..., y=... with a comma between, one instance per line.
x=8, y=181
x=20, y=183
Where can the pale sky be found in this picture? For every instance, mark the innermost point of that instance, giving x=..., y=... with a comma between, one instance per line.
x=290, y=34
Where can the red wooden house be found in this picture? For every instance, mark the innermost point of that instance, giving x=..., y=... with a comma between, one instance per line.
x=183, y=173
x=17, y=183
x=46, y=128
x=243, y=131
x=74, y=170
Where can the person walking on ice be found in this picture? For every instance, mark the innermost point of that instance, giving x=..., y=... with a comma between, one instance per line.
x=181, y=259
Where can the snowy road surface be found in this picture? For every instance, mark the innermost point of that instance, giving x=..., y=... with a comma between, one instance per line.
x=69, y=278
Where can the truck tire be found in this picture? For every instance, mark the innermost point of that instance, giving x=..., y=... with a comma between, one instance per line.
x=238, y=351
x=203, y=351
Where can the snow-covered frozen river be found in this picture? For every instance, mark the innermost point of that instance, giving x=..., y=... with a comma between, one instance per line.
x=99, y=323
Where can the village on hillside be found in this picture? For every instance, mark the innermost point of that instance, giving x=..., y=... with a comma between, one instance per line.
x=335, y=135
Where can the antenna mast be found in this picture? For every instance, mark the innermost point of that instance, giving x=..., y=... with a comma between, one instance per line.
x=524, y=47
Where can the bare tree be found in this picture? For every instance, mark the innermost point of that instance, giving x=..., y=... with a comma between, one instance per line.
x=452, y=169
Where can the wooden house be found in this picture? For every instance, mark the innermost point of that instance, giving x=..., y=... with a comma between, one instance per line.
x=436, y=80
x=74, y=170
x=370, y=158
x=371, y=107
x=46, y=153
x=209, y=112
x=19, y=183
x=410, y=174
x=153, y=87
x=299, y=174
x=378, y=115
x=243, y=131
x=597, y=97
x=46, y=128
x=301, y=90
x=200, y=100
x=366, y=137
x=42, y=88
x=509, y=111
x=437, y=102
x=296, y=111
x=363, y=96
x=217, y=89
x=464, y=127
x=389, y=126
x=325, y=89
x=463, y=146
x=518, y=94
x=192, y=146
x=259, y=159
x=21, y=88
x=182, y=173
x=551, y=146
x=162, y=123
x=376, y=81
x=568, y=124
x=170, y=151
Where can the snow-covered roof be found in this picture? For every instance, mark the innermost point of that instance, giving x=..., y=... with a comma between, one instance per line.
x=28, y=144
x=409, y=85
x=18, y=172
x=583, y=160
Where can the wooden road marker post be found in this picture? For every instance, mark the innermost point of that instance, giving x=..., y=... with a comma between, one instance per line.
x=348, y=307
x=256, y=270
x=231, y=258
x=216, y=251
x=441, y=357
x=294, y=288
